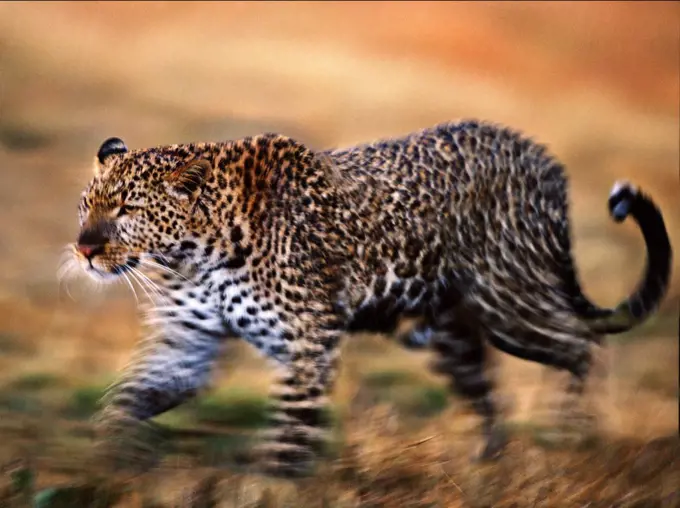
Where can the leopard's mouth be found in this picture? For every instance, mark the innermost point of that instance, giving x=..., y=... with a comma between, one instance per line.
x=111, y=273
x=107, y=267
x=108, y=274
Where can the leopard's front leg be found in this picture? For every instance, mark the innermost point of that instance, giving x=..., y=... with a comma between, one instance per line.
x=171, y=365
x=299, y=422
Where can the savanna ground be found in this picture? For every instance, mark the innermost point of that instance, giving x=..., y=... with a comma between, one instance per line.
x=596, y=81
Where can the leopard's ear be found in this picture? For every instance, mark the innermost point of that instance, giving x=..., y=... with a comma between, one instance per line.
x=187, y=181
x=109, y=148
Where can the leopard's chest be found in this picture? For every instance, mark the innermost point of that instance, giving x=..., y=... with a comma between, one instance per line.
x=253, y=318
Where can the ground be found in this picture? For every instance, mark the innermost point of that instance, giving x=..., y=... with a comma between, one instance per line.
x=596, y=81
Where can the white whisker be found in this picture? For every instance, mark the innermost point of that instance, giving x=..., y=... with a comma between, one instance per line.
x=166, y=308
x=68, y=291
x=132, y=288
x=148, y=279
x=151, y=284
x=65, y=266
x=64, y=272
x=141, y=284
x=153, y=264
x=163, y=320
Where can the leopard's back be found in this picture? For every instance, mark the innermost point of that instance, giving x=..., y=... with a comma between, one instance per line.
x=470, y=205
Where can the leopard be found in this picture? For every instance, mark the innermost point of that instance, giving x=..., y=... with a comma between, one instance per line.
x=463, y=226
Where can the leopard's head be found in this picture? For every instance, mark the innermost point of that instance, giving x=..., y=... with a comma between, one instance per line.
x=138, y=207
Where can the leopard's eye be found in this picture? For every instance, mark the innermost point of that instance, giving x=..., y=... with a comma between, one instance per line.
x=126, y=209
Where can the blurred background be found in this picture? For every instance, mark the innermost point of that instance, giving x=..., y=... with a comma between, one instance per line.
x=598, y=82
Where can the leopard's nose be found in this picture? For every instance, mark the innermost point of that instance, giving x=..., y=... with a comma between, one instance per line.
x=92, y=240
x=90, y=251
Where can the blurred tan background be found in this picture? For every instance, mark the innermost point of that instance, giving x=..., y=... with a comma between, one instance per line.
x=596, y=81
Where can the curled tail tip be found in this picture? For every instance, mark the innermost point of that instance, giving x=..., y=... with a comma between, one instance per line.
x=621, y=199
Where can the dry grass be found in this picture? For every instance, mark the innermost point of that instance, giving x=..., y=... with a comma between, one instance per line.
x=596, y=81
x=383, y=464
x=388, y=453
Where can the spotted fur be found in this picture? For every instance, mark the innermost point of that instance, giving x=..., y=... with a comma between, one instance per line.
x=463, y=225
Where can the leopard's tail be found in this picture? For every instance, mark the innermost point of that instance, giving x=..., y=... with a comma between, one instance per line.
x=624, y=200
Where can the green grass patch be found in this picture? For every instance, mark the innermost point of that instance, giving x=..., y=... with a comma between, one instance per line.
x=35, y=381
x=411, y=395
x=232, y=408
x=222, y=449
x=84, y=401
x=22, y=492
x=178, y=417
x=426, y=401
x=76, y=495
x=386, y=379
x=20, y=402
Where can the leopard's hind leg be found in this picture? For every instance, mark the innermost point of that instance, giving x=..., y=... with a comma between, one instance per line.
x=462, y=356
x=570, y=353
